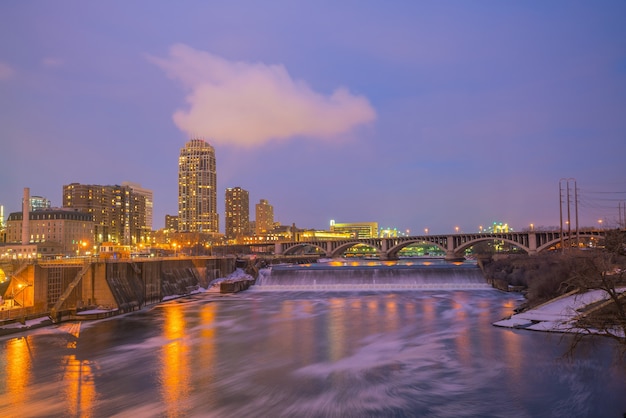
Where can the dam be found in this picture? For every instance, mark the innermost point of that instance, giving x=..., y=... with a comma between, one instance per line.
x=347, y=275
x=69, y=288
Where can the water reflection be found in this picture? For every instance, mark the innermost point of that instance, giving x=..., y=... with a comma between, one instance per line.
x=18, y=370
x=80, y=391
x=207, y=351
x=337, y=329
x=175, y=363
x=307, y=354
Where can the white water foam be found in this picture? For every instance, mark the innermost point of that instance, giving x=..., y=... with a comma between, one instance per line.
x=374, y=287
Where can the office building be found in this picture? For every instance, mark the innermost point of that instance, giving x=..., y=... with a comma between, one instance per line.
x=264, y=213
x=237, y=213
x=358, y=229
x=197, y=188
x=39, y=203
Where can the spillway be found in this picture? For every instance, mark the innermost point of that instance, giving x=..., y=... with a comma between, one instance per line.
x=346, y=276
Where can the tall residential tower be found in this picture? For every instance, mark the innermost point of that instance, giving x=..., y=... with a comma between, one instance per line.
x=197, y=188
x=237, y=214
x=264, y=213
x=119, y=213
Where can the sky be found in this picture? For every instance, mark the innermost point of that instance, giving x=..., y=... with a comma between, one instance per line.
x=412, y=114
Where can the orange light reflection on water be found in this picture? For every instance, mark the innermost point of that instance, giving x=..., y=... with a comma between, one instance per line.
x=80, y=391
x=18, y=369
x=391, y=312
x=336, y=329
x=175, y=365
x=206, y=356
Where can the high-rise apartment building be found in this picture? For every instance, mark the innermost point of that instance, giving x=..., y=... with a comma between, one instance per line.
x=264, y=213
x=148, y=196
x=237, y=213
x=119, y=213
x=197, y=188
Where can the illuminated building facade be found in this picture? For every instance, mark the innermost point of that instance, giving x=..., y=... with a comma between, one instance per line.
x=147, y=197
x=54, y=231
x=499, y=227
x=264, y=213
x=197, y=188
x=119, y=213
x=171, y=222
x=358, y=230
x=237, y=213
x=39, y=203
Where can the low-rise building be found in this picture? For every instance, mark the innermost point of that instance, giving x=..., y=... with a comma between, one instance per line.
x=52, y=231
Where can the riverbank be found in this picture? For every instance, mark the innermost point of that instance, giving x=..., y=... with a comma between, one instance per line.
x=560, y=314
x=215, y=287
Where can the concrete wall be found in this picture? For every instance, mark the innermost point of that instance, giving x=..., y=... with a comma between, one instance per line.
x=126, y=285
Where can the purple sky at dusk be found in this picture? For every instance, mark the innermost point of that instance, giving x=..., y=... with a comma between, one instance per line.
x=411, y=114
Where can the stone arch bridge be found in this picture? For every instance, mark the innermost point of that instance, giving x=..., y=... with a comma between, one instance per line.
x=454, y=245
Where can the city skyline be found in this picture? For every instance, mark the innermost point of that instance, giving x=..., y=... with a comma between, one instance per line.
x=414, y=116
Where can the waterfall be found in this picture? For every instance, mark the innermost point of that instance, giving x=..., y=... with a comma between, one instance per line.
x=379, y=276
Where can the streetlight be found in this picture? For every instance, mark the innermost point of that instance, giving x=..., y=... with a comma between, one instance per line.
x=600, y=222
x=426, y=231
x=456, y=228
x=480, y=228
x=532, y=227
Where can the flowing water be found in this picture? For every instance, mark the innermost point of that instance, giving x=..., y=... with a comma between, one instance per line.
x=365, y=352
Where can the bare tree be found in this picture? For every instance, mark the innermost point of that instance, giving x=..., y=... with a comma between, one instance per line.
x=602, y=269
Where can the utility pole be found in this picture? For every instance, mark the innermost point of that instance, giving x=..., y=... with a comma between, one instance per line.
x=576, y=212
x=561, y=214
x=568, y=181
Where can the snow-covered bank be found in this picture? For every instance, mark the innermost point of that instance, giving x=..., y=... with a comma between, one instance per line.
x=558, y=315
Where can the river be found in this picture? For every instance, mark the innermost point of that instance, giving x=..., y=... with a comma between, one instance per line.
x=325, y=353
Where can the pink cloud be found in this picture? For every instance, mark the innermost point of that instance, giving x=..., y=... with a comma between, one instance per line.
x=247, y=104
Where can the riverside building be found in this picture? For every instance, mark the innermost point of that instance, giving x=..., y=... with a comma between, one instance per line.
x=119, y=212
x=357, y=229
x=51, y=232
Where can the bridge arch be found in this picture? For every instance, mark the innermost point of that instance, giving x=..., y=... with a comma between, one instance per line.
x=461, y=248
x=340, y=249
x=393, y=251
x=292, y=250
x=556, y=241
